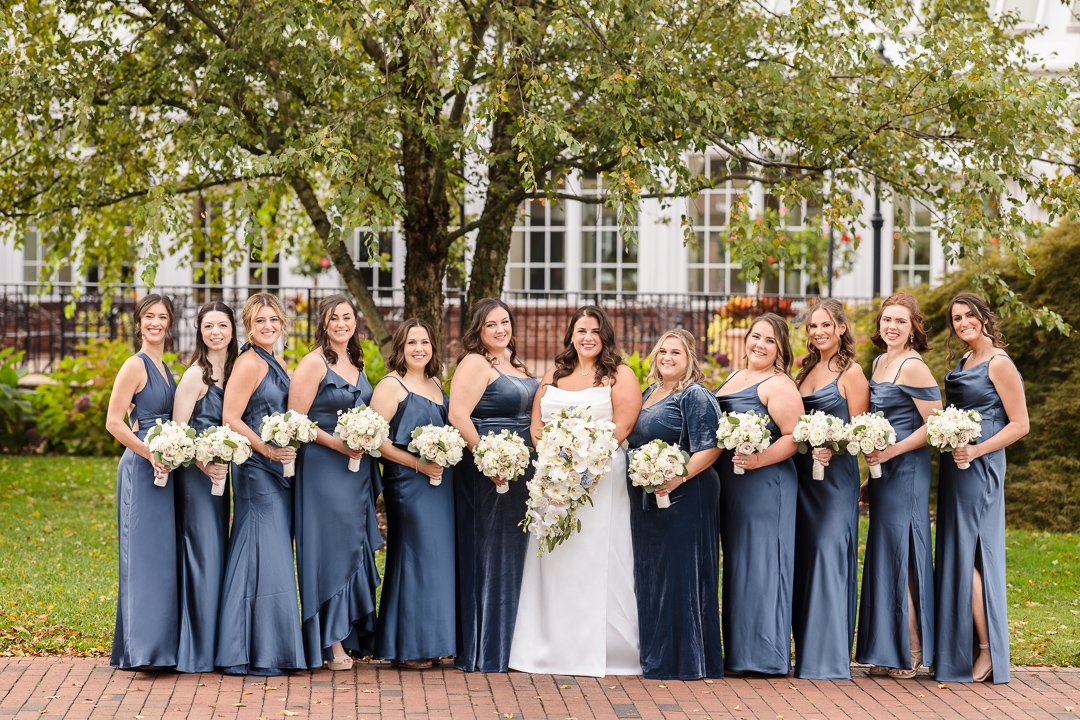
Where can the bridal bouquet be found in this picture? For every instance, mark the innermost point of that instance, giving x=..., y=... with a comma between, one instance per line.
x=172, y=444
x=574, y=451
x=817, y=429
x=654, y=464
x=288, y=429
x=361, y=428
x=745, y=433
x=439, y=444
x=502, y=455
x=870, y=432
x=951, y=428
x=219, y=444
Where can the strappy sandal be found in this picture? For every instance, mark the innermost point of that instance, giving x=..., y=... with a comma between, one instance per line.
x=343, y=662
x=908, y=673
x=989, y=668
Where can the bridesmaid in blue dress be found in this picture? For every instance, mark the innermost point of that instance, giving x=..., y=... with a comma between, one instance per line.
x=337, y=532
x=417, y=611
x=259, y=620
x=896, y=617
x=492, y=390
x=146, y=612
x=757, y=509
x=677, y=548
x=827, y=513
x=972, y=640
x=202, y=517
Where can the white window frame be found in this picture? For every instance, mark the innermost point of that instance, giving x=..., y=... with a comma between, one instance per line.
x=709, y=232
x=998, y=7
x=606, y=223
x=520, y=267
x=909, y=228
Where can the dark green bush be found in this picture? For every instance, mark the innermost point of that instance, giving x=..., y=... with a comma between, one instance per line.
x=15, y=412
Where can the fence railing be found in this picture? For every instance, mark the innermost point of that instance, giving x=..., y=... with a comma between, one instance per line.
x=50, y=326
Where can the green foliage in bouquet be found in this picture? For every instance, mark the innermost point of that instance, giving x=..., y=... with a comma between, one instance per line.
x=1042, y=487
x=15, y=411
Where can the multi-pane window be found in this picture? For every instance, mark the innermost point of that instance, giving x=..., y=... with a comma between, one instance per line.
x=911, y=243
x=35, y=261
x=1074, y=14
x=538, y=248
x=608, y=263
x=264, y=271
x=711, y=269
x=377, y=270
x=796, y=216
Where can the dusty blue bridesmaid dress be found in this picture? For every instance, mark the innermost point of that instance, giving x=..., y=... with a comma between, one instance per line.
x=757, y=533
x=259, y=621
x=826, y=554
x=970, y=534
x=677, y=549
x=418, y=608
x=146, y=611
x=336, y=532
x=490, y=545
x=203, y=521
x=898, y=541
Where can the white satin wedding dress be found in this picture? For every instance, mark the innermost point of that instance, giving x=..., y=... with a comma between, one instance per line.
x=578, y=613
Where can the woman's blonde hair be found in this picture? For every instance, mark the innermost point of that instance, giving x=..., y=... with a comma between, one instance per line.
x=693, y=372
x=251, y=308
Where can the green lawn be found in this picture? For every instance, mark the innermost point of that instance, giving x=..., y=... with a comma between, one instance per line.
x=58, y=567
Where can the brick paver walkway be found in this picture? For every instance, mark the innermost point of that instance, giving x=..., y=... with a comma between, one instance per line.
x=88, y=688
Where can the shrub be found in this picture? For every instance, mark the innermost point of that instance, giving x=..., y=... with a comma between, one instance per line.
x=15, y=411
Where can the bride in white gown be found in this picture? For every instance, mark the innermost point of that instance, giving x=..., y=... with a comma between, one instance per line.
x=578, y=614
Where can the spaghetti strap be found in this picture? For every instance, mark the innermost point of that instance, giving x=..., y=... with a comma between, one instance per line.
x=899, y=369
x=726, y=380
x=399, y=382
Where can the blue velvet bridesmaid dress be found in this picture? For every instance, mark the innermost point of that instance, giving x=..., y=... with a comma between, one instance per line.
x=826, y=554
x=899, y=539
x=203, y=521
x=757, y=532
x=418, y=608
x=677, y=549
x=970, y=534
x=147, y=622
x=490, y=545
x=336, y=532
x=259, y=622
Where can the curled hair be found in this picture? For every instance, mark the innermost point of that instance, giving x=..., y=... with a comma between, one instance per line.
x=201, y=354
x=607, y=364
x=143, y=306
x=784, y=356
x=471, y=343
x=253, y=305
x=322, y=338
x=845, y=354
x=693, y=372
x=917, y=340
x=986, y=316
x=396, y=362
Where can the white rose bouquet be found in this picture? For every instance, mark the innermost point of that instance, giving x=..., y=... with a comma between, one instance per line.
x=817, y=429
x=574, y=451
x=654, y=464
x=288, y=429
x=439, y=444
x=870, y=432
x=502, y=456
x=951, y=428
x=361, y=428
x=224, y=446
x=171, y=444
x=745, y=433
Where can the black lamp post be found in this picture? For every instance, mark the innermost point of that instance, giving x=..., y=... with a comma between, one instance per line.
x=876, y=221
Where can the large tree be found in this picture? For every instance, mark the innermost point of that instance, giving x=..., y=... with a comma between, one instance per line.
x=300, y=119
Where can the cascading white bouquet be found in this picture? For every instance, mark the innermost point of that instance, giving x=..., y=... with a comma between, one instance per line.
x=502, y=456
x=870, y=432
x=573, y=453
x=951, y=428
x=288, y=429
x=361, y=428
x=654, y=464
x=439, y=444
x=745, y=433
x=224, y=446
x=171, y=444
x=818, y=429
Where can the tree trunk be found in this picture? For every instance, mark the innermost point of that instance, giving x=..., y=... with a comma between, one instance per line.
x=343, y=262
x=496, y=228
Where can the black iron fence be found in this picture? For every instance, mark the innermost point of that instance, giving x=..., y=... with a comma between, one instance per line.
x=50, y=326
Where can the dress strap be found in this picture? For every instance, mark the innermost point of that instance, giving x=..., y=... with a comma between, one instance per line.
x=899, y=369
x=727, y=380
x=399, y=382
